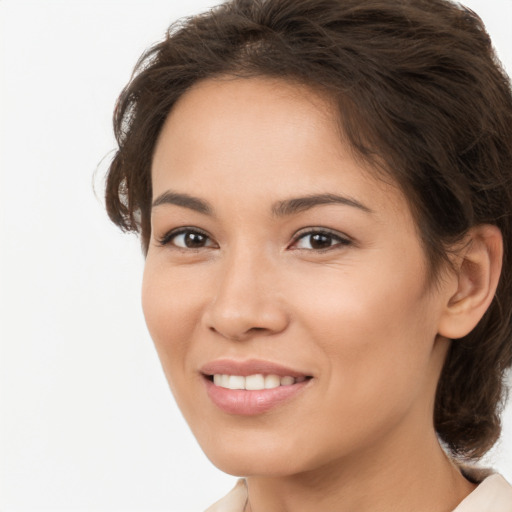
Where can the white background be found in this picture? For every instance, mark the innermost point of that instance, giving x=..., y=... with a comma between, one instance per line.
x=86, y=419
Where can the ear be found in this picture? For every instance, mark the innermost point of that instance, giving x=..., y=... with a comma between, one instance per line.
x=477, y=271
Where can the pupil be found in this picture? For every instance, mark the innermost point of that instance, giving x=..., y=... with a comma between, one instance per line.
x=194, y=240
x=319, y=241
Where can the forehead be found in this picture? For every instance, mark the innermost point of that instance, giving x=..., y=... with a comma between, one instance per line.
x=258, y=114
x=260, y=138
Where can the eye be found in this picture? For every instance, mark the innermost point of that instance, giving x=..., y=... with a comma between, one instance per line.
x=318, y=240
x=187, y=238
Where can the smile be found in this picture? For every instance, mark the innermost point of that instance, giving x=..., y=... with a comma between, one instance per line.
x=248, y=388
x=254, y=382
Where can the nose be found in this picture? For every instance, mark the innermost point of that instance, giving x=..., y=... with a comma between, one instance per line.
x=246, y=301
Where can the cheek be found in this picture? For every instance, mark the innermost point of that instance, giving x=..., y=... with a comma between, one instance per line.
x=376, y=332
x=377, y=351
x=168, y=304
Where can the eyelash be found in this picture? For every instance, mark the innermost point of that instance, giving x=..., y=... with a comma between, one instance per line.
x=341, y=240
x=171, y=235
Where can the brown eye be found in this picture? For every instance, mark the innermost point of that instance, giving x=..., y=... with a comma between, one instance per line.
x=320, y=240
x=194, y=240
x=187, y=239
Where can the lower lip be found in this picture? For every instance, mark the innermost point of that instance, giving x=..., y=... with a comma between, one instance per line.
x=250, y=403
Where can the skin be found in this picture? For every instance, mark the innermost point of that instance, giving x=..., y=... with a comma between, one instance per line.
x=358, y=315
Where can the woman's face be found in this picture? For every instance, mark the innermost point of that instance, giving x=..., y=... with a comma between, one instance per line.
x=276, y=259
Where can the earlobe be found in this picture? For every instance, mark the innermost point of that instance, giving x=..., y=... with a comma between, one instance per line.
x=478, y=268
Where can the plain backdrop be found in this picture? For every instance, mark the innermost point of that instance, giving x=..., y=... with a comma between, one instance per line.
x=86, y=419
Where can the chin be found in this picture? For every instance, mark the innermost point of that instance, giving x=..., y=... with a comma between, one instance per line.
x=241, y=467
x=251, y=458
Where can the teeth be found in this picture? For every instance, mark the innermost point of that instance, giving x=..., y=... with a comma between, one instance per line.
x=272, y=381
x=254, y=382
x=236, y=382
x=221, y=380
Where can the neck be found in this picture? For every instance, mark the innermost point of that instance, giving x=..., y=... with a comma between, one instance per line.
x=399, y=477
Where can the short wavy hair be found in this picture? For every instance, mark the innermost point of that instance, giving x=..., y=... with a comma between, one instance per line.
x=421, y=97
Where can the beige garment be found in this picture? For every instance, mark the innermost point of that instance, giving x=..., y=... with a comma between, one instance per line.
x=493, y=494
x=234, y=501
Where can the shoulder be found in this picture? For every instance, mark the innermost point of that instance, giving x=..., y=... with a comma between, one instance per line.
x=493, y=494
x=234, y=501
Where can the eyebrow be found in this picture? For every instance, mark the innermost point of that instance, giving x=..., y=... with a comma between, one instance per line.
x=282, y=208
x=299, y=204
x=184, y=200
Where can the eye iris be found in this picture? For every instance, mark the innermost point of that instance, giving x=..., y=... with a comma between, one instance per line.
x=194, y=240
x=320, y=241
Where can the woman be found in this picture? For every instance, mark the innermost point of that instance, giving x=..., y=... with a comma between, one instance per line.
x=323, y=190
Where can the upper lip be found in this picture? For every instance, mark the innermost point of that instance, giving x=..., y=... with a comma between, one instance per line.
x=248, y=367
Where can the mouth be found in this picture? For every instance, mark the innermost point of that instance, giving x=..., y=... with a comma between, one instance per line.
x=251, y=387
x=255, y=382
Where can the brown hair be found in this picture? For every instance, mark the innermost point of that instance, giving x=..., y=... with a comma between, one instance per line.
x=418, y=87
